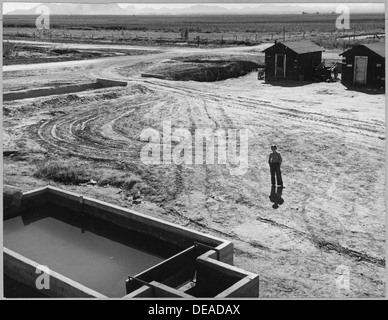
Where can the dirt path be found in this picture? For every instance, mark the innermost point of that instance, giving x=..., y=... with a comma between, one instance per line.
x=332, y=141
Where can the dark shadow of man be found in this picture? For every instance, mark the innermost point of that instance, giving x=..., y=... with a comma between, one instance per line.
x=276, y=197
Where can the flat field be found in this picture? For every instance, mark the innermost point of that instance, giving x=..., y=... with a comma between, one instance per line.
x=212, y=29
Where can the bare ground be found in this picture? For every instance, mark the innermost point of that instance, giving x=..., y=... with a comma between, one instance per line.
x=33, y=53
x=331, y=139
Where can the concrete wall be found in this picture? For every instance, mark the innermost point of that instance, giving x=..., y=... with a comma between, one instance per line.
x=152, y=75
x=173, y=271
x=23, y=270
x=41, y=92
x=214, y=278
x=12, y=197
x=225, y=253
x=247, y=287
x=169, y=232
x=104, y=83
x=163, y=291
x=157, y=290
x=33, y=93
x=142, y=292
x=221, y=280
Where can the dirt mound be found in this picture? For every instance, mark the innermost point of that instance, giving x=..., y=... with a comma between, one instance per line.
x=64, y=51
x=205, y=70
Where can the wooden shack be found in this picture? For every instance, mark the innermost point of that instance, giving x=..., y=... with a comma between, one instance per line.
x=364, y=65
x=292, y=60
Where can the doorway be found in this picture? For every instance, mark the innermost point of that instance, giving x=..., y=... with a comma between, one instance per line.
x=360, y=69
x=280, y=66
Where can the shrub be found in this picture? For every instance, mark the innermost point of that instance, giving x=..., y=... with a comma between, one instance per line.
x=9, y=49
x=62, y=172
x=117, y=179
x=68, y=173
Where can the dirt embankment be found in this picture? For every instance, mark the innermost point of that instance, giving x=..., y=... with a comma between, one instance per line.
x=205, y=69
x=213, y=71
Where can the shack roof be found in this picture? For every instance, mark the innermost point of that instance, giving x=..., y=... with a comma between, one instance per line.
x=378, y=48
x=299, y=47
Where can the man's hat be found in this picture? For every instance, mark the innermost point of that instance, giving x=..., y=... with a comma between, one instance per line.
x=273, y=146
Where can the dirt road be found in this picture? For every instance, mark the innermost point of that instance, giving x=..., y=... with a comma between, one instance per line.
x=331, y=139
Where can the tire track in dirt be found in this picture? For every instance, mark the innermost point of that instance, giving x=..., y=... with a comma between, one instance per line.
x=207, y=184
x=84, y=121
x=319, y=243
x=91, y=132
x=312, y=230
x=364, y=128
x=327, y=245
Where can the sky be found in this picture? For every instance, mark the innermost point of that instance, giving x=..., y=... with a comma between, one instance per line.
x=319, y=6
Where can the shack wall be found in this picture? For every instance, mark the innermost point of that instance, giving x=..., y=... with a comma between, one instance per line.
x=375, y=67
x=298, y=66
x=306, y=64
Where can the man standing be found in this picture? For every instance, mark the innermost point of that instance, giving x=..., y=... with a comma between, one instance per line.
x=275, y=161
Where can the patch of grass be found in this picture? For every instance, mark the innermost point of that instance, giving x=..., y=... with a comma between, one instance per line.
x=117, y=179
x=62, y=172
x=9, y=49
x=69, y=173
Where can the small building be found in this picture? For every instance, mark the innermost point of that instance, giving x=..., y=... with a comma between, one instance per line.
x=293, y=60
x=364, y=65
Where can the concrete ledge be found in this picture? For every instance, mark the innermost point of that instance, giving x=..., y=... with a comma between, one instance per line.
x=34, y=198
x=247, y=287
x=104, y=83
x=41, y=92
x=163, y=291
x=34, y=93
x=157, y=290
x=23, y=270
x=224, y=268
x=172, y=271
x=142, y=292
x=34, y=193
x=218, y=279
x=152, y=75
x=223, y=253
